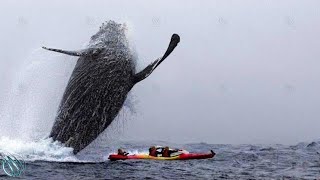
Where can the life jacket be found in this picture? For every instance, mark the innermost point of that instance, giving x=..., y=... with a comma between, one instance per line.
x=153, y=152
x=165, y=153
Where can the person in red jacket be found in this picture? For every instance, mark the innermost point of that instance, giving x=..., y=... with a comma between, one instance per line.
x=122, y=152
x=153, y=151
x=166, y=152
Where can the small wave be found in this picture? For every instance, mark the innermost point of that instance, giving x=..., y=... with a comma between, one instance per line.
x=267, y=149
x=312, y=144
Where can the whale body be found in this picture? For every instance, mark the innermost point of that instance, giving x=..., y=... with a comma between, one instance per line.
x=98, y=86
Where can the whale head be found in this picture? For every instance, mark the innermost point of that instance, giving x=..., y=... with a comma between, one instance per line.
x=111, y=35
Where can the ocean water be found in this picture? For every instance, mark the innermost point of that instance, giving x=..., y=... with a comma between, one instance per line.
x=301, y=161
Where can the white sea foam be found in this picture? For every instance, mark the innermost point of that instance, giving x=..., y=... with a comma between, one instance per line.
x=43, y=150
x=28, y=112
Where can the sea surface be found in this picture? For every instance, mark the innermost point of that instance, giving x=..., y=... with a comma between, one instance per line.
x=301, y=161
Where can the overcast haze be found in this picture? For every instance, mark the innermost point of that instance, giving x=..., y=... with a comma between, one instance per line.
x=244, y=71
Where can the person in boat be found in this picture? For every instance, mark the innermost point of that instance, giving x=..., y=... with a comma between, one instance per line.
x=153, y=151
x=166, y=152
x=122, y=152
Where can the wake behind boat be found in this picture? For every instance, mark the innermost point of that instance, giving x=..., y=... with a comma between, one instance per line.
x=175, y=155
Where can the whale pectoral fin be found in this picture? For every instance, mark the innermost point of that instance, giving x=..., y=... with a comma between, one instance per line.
x=71, y=53
x=175, y=39
x=146, y=71
x=84, y=52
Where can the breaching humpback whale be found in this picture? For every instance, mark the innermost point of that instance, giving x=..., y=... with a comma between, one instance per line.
x=98, y=86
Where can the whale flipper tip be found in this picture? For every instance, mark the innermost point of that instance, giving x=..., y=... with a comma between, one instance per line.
x=175, y=37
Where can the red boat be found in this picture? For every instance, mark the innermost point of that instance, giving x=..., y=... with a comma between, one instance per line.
x=181, y=155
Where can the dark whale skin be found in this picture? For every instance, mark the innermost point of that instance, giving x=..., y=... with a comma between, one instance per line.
x=99, y=84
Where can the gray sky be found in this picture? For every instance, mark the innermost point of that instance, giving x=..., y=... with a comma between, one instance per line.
x=244, y=72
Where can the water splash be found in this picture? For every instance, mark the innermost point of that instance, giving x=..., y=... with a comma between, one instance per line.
x=43, y=149
x=28, y=112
